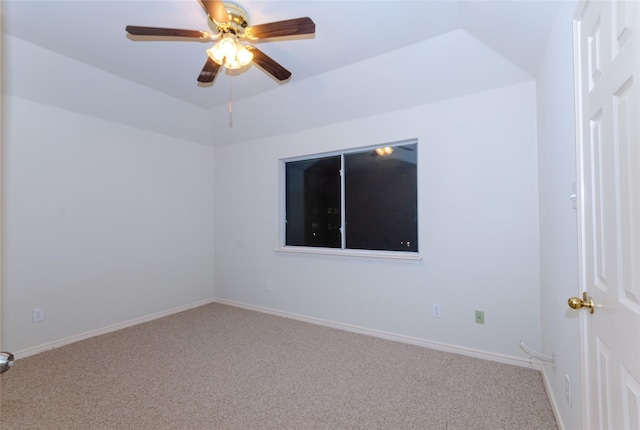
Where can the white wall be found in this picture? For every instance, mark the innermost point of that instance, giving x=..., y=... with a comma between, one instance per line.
x=478, y=235
x=108, y=200
x=103, y=223
x=558, y=231
x=34, y=73
x=1, y=165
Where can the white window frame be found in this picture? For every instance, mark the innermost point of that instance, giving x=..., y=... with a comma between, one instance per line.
x=343, y=251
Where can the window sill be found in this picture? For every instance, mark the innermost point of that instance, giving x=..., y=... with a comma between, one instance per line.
x=376, y=255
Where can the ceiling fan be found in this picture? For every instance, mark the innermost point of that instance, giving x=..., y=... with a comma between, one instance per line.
x=232, y=24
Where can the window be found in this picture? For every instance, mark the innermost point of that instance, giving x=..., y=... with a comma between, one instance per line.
x=375, y=200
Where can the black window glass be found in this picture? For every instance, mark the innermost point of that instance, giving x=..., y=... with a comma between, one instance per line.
x=381, y=199
x=313, y=208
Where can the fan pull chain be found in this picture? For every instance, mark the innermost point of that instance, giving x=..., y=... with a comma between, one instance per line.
x=230, y=99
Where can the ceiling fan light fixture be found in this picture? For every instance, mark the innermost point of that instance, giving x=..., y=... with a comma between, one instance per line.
x=229, y=53
x=224, y=48
x=243, y=55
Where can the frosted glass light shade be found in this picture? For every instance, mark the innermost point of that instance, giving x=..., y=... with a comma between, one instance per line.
x=230, y=53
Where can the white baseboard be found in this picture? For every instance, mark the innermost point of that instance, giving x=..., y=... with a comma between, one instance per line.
x=66, y=341
x=517, y=361
x=500, y=358
x=552, y=399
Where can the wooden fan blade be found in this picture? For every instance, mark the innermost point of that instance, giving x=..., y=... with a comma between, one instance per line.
x=166, y=32
x=209, y=71
x=269, y=65
x=289, y=27
x=216, y=10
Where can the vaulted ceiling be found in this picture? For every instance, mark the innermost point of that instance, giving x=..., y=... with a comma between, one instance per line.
x=427, y=50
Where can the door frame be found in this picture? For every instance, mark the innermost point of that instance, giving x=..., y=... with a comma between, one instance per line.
x=580, y=190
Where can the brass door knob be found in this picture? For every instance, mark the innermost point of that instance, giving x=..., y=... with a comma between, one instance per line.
x=585, y=302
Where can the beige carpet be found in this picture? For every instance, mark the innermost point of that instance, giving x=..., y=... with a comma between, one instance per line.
x=219, y=367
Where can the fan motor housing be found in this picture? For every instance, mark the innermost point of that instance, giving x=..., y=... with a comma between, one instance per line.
x=238, y=19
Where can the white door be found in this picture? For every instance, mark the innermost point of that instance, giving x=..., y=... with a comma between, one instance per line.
x=607, y=48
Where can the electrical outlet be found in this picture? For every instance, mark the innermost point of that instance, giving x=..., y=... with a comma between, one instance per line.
x=436, y=310
x=38, y=314
x=269, y=287
x=567, y=389
x=479, y=317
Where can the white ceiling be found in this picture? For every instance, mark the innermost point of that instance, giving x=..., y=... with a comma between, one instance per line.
x=347, y=32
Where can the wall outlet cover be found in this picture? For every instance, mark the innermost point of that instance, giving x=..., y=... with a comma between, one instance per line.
x=436, y=310
x=38, y=314
x=479, y=317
